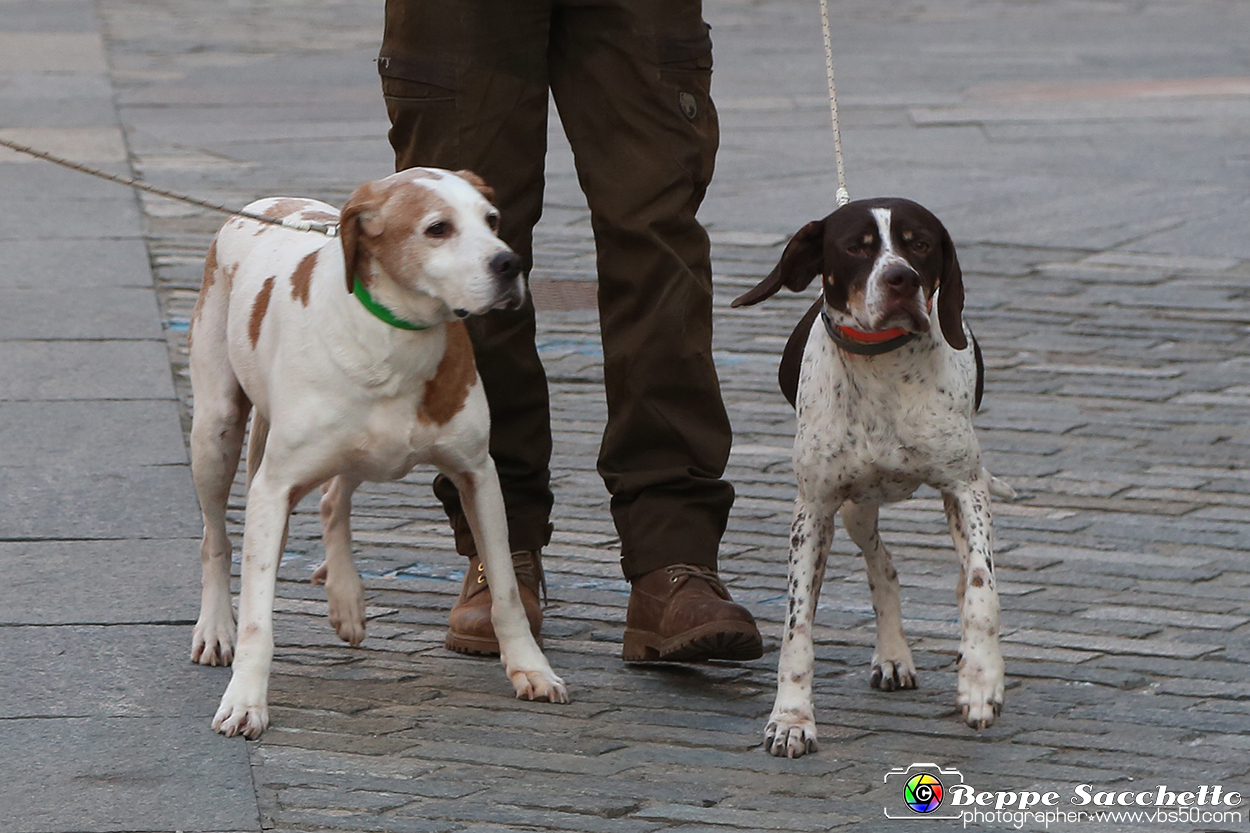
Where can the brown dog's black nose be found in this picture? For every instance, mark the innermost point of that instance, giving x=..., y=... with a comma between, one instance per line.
x=506, y=265
x=901, y=279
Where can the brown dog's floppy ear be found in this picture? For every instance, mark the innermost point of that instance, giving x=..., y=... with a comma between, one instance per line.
x=802, y=260
x=951, y=295
x=358, y=211
x=478, y=183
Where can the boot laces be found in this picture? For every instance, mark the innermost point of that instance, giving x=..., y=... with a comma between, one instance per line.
x=680, y=573
x=528, y=566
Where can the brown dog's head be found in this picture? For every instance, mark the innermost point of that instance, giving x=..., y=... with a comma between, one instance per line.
x=881, y=261
x=434, y=233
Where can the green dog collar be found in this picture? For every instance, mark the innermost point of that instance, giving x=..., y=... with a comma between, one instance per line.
x=380, y=312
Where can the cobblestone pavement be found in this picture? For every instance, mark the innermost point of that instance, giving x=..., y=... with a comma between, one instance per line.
x=1092, y=161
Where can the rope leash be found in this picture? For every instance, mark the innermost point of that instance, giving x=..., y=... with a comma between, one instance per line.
x=328, y=229
x=843, y=195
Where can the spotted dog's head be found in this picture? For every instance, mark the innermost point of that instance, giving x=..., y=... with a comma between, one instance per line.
x=881, y=262
x=433, y=232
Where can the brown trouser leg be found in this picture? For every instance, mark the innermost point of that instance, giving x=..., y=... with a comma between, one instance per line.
x=466, y=87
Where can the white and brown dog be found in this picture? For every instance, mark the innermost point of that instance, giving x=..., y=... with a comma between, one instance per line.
x=345, y=389
x=886, y=390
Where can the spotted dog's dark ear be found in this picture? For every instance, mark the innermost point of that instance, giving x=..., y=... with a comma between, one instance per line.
x=359, y=217
x=802, y=260
x=951, y=295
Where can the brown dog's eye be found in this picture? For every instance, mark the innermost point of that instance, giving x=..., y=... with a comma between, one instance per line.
x=440, y=229
x=862, y=247
x=921, y=246
x=492, y=220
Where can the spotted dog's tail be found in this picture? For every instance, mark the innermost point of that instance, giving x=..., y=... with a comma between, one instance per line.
x=998, y=488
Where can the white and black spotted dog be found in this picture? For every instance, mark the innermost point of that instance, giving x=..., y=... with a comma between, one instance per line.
x=885, y=386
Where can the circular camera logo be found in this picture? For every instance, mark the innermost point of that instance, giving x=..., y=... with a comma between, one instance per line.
x=923, y=793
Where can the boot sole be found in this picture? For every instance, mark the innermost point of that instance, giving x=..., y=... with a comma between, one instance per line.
x=735, y=641
x=471, y=644
x=476, y=645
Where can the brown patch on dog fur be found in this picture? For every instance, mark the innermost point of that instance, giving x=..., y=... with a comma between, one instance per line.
x=210, y=277
x=301, y=278
x=285, y=207
x=446, y=393
x=478, y=183
x=402, y=208
x=210, y=267
x=378, y=222
x=259, y=307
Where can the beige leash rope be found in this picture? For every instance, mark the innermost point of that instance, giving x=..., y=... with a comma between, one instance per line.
x=328, y=229
x=843, y=195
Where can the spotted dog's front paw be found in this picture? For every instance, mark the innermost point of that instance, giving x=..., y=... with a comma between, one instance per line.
x=980, y=696
x=893, y=674
x=539, y=685
x=242, y=712
x=790, y=733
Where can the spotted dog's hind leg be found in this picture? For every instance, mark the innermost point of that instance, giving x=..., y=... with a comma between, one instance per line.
x=791, y=729
x=981, y=670
x=892, y=664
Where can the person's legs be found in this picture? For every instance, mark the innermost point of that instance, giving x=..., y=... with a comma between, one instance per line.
x=631, y=79
x=465, y=84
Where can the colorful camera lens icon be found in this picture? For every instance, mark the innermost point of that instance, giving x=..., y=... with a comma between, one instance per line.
x=923, y=793
x=919, y=790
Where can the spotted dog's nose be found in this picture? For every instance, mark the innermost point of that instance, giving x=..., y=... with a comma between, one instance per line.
x=901, y=279
x=506, y=265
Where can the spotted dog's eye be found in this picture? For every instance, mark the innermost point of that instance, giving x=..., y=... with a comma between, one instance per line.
x=492, y=220
x=442, y=228
x=921, y=246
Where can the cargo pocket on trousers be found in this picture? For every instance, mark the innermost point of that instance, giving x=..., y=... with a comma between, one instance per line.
x=420, y=99
x=685, y=63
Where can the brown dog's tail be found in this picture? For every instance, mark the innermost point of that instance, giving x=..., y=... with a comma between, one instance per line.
x=256, y=444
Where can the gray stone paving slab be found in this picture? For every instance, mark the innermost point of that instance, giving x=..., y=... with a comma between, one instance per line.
x=50, y=15
x=53, y=199
x=84, y=370
x=80, y=582
x=27, y=50
x=91, y=437
x=121, y=774
x=88, y=314
x=43, y=669
x=52, y=220
x=125, y=503
x=71, y=265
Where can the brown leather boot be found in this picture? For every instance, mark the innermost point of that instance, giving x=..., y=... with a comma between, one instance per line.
x=684, y=613
x=470, y=630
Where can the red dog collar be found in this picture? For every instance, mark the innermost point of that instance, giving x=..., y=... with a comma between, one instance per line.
x=868, y=344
